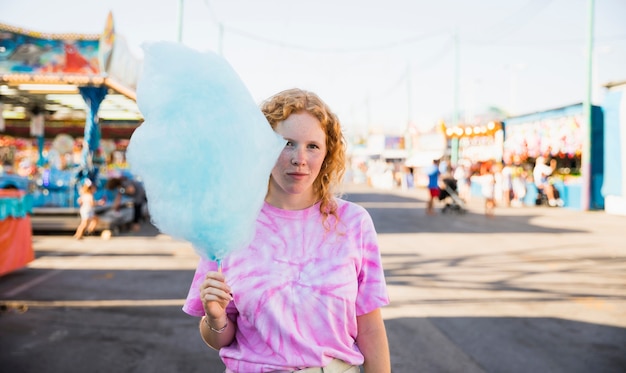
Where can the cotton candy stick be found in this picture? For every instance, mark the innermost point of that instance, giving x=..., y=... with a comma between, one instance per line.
x=204, y=152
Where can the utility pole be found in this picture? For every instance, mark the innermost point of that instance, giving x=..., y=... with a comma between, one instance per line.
x=220, y=47
x=408, y=132
x=454, y=142
x=180, y=21
x=369, y=114
x=585, y=167
x=409, y=95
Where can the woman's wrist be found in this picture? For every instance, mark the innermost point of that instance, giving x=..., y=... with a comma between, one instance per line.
x=217, y=327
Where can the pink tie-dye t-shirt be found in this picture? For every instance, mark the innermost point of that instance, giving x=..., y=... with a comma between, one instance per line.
x=298, y=289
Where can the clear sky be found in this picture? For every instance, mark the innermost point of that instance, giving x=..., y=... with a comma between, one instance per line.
x=378, y=64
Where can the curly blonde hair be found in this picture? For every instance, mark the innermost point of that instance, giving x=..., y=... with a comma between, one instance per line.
x=280, y=106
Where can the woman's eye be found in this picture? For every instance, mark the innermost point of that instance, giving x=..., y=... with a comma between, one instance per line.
x=289, y=143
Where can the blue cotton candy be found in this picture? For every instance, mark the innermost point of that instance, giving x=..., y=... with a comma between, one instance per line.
x=205, y=150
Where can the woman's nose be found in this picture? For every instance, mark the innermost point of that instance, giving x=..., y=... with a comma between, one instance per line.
x=297, y=158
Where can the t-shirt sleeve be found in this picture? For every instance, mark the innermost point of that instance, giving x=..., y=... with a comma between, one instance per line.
x=193, y=304
x=372, y=292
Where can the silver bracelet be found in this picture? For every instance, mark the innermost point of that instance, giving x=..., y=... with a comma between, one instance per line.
x=218, y=331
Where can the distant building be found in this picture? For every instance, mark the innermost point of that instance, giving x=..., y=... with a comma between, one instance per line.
x=614, y=183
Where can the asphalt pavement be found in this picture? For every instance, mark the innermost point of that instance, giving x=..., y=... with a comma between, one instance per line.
x=533, y=289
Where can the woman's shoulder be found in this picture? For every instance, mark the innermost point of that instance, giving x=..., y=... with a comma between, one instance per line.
x=347, y=207
x=354, y=217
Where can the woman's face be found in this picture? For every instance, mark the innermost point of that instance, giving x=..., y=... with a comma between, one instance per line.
x=291, y=184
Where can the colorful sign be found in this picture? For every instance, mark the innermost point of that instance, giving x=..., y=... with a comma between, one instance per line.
x=553, y=133
x=82, y=59
x=25, y=52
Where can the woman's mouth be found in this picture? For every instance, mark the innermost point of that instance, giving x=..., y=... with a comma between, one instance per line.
x=297, y=175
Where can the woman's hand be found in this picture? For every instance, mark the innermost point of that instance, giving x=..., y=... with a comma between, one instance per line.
x=215, y=328
x=215, y=295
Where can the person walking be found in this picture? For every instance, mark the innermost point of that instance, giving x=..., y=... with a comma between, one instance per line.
x=433, y=186
x=488, y=186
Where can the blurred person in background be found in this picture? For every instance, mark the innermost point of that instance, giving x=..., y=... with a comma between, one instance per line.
x=125, y=186
x=542, y=173
x=87, y=202
x=434, y=174
x=506, y=180
x=462, y=177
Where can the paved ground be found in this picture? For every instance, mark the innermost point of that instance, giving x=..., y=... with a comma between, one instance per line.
x=531, y=290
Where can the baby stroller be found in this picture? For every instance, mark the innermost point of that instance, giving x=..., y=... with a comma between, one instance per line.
x=449, y=194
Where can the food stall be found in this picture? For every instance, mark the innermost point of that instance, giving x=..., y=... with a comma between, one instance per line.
x=559, y=134
x=477, y=145
x=478, y=142
x=59, y=92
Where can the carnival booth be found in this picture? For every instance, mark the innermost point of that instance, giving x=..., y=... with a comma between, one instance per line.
x=480, y=142
x=16, y=248
x=52, y=85
x=475, y=147
x=559, y=134
x=614, y=185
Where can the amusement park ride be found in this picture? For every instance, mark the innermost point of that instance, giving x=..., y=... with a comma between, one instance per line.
x=64, y=97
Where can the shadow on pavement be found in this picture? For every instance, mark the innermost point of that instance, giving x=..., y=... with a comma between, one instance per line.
x=125, y=315
x=147, y=229
x=391, y=213
x=157, y=339
x=458, y=279
x=108, y=320
x=505, y=344
x=104, y=339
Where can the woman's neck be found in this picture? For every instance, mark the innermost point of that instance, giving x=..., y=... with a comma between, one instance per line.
x=290, y=201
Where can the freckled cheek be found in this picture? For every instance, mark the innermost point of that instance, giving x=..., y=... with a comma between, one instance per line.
x=282, y=163
x=316, y=164
x=283, y=159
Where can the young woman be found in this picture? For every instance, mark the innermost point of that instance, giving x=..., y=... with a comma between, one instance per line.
x=307, y=291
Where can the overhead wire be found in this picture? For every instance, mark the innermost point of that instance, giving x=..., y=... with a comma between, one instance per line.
x=336, y=50
x=422, y=66
x=308, y=48
x=517, y=19
x=391, y=44
x=544, y=43
x=504, y=26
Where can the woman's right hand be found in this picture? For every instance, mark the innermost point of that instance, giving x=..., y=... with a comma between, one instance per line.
x=215, y=295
